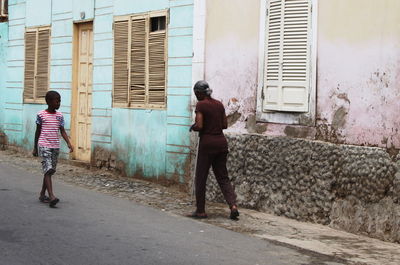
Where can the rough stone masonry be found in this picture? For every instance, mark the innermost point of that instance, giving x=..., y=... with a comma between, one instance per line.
x=353, y=188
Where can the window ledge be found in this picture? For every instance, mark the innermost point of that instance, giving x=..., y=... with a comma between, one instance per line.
x=292, y=118
x=34, y=101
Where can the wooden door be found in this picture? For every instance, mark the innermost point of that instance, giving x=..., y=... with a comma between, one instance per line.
x=82, y=105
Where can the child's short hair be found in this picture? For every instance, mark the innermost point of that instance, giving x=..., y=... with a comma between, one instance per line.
x=51, y=95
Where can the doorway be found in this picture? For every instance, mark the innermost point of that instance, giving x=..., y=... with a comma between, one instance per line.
x=81, y=126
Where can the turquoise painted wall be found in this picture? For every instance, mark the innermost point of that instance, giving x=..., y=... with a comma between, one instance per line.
x=38, y=13
x=3, y=68
x=150, y=143
x=13, y=107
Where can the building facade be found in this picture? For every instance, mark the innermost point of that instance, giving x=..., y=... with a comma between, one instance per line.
x=123, y=69
x=311, y=88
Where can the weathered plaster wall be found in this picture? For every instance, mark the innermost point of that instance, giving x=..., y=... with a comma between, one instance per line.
x=146, y=143
x=231, y=54
x=13, y=108
x=358, y=51
x=358, y=71
x=358, y=75
x=349, y=187
x=3, y=68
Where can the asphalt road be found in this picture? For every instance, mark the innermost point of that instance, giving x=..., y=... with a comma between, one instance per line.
x=89, y=227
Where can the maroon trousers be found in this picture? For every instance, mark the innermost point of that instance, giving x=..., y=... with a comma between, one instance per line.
x=218, y=163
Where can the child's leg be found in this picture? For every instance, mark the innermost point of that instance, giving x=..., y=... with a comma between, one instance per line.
x=49, y=163
x=43, y=191
x=49, y=186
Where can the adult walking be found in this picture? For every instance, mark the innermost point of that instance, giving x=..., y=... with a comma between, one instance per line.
x=213, y=149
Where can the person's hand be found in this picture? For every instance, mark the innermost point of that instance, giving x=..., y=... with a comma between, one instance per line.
x=71, y=148
x=35, y=152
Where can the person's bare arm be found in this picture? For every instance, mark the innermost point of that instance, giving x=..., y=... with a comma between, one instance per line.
x=37, y=134
x=65, y=136
x=198, y=126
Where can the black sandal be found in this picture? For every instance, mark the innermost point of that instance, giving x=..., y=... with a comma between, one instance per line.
x=54, y=202
x=196, y=215
x=234, y=215
x=44, y=199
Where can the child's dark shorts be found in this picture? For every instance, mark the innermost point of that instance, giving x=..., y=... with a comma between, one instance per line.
x=49, y=159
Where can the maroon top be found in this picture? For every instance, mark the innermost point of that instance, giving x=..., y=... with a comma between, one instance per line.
x=212, y=139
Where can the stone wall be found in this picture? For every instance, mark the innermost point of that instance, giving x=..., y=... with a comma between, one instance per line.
x=353, y=188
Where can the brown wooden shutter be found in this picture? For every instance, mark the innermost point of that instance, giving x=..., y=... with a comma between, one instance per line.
x=6, y=7
x=3, y=10
x=121, y=63
x=42, y=68
x=138, y=62
x=30, y=55
x=157, y=68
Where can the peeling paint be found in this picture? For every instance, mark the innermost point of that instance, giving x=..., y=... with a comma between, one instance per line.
x=299, y=132
x=253, y=127
x=358, y=72
x=231, y=57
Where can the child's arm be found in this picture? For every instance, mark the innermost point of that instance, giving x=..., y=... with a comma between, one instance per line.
x=37, y=134
x=65, y=136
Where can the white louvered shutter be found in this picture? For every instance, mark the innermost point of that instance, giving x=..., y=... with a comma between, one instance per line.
x=287, y=57
x=121, y=64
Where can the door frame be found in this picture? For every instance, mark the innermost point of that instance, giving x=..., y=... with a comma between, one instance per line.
x=74, y=87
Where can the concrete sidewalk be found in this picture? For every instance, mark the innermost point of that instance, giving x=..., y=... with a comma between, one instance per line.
x=313, y=237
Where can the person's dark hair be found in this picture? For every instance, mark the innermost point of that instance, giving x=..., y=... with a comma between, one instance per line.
x=52, y=95
x=202, y=87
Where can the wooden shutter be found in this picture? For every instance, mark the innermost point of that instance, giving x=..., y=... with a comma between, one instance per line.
x=287, y=64
x=30, y=59
x=5, y=5
x=42, y=67
x=138, y=62
x=121, y=63
x=3, y=10
x=157, y=68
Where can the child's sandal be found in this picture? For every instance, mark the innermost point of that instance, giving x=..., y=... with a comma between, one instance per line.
x=44, y=199
x=53, y=203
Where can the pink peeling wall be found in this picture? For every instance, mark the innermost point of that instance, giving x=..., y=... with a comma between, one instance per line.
x=359, y=71
x=231, y=56
x=358, y=61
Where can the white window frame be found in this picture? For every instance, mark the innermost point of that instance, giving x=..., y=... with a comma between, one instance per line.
x=302, y=118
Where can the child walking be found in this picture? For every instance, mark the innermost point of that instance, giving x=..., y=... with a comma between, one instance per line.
x=47, y=143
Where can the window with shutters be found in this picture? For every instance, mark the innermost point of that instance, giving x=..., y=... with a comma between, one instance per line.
x=3, y=10
x=140, y=56
x=287, y=61
x=37, y=54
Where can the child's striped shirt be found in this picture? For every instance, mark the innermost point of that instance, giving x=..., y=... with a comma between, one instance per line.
x=51, y=123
